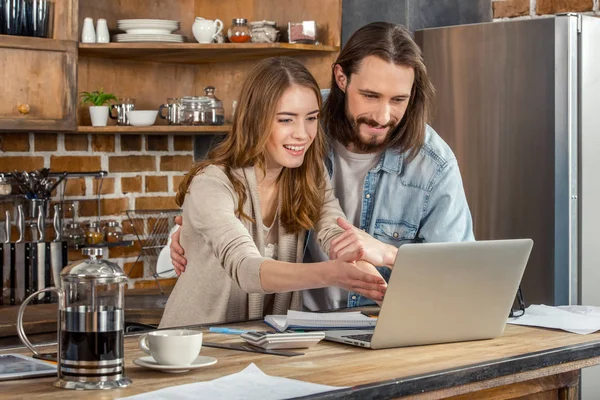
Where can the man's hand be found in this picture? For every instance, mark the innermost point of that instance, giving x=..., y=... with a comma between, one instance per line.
x=177, y=253
x=353, y=239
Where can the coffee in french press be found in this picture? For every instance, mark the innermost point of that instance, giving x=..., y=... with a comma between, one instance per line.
x=91, y=324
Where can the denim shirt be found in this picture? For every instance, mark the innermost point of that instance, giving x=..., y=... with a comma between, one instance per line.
x=411, y=202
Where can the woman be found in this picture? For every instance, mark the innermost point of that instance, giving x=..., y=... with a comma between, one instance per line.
x=246, y=209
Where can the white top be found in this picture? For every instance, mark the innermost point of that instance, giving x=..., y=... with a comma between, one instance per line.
x=349, y=173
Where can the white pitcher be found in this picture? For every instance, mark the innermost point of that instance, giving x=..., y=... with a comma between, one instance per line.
x=205, y=30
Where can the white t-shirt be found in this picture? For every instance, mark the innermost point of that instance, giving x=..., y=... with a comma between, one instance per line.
x=349, y=173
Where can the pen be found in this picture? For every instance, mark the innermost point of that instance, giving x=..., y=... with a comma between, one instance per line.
x=218, y=329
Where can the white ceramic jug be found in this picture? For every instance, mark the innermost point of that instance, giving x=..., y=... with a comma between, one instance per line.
x=205, y=30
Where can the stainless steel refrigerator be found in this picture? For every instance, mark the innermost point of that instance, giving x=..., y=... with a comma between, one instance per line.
x=519, y=103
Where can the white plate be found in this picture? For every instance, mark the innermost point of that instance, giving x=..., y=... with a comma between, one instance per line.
x=144, y=21
x=148, y=41
x=146, y=31
x=165, y=37
x=149, y=362
x=148, y=26
x=125, y=37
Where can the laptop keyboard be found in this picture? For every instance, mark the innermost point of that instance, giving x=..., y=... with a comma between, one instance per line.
x=365, y=338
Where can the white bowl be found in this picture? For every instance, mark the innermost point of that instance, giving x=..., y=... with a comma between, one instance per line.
x=142, y=117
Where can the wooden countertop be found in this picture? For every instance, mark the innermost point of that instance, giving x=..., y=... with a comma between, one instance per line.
x=435, y=371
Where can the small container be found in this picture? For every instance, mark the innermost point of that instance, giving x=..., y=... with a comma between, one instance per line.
x=216, y=114
x=112, y=232
x=74, y=235
x=5, y=186
x=195, y=110
x=239, y=31
x=302, y=32
x=93, y=235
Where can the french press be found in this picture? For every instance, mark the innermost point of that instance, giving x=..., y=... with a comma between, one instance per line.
x=90, y=324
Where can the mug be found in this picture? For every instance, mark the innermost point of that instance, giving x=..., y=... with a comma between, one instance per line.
x=122, y=107
x=173, y=108
x=206, y=30
x=172, y=346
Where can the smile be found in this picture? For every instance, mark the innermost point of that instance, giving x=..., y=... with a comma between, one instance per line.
x=294, y=148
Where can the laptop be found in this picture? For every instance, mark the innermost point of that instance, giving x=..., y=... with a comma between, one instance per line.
x=445, y=292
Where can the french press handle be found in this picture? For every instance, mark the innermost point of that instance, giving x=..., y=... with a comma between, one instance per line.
x=20, y=330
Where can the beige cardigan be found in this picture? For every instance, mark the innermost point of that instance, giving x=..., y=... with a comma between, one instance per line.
x=224, y=253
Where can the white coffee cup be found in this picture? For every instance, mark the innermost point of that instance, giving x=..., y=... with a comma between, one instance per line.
x=205, y=30
x=172, y=346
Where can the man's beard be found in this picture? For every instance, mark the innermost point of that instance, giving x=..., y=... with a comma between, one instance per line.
x=373, y=145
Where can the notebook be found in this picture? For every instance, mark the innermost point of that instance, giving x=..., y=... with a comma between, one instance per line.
x=319, y=321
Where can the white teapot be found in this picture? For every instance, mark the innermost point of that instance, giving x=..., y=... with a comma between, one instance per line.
x=205, y=30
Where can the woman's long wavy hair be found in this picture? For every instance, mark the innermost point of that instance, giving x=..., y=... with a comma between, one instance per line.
x=391, y=43
x=301, y=189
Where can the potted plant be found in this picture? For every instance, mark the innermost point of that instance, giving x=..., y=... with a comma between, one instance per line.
x=98, y=108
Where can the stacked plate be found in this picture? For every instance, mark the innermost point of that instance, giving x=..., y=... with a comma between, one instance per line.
x=148, y=30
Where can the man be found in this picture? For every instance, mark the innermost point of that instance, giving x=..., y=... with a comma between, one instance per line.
x=395, y=178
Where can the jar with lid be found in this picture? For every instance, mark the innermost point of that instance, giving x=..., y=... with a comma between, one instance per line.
x=217, y=112
x=195, y=110
x=74, y=235
x=239, y=31
x=112, y=232
x=93, y=235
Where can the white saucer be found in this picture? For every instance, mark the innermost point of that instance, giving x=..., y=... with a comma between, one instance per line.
x=149, y=362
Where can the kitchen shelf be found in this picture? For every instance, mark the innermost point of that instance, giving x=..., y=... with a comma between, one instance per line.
x=34, y=43
x=157, y=130
x=195, y=53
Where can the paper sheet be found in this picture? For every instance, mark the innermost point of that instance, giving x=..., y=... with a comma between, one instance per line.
x=251, y=383
x=575, y=319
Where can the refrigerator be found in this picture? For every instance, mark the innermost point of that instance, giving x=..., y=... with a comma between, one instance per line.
x=519, y=104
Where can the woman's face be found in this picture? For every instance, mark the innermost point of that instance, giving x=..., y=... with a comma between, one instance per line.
x=294, y=128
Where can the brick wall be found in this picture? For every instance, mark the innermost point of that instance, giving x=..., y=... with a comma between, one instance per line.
x=532, y=8
x=143, y=173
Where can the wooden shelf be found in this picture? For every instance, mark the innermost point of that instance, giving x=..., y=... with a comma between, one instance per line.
x=195, y=53
x=33, y=43
x=156, y=130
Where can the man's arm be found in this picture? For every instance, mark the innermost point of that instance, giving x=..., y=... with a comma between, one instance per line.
x=177, y=253
x=447, y=217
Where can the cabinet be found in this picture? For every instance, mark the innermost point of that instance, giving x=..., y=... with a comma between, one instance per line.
x=39, y=77
x=152, y=72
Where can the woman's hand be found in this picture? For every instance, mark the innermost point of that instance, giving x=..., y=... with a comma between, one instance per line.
x=353, y=239
x=359, y=277
x=177, y=253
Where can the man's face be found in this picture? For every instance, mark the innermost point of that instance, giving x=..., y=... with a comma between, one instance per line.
x=377, y=96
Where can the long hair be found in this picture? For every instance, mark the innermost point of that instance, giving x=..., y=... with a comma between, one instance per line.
x=391, y=43
x=301, y=189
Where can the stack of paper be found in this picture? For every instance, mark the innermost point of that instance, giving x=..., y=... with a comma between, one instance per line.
x=251, y=383
x=320, y=321
x=575, y=319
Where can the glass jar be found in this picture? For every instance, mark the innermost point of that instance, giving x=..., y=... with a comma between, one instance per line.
x=195, y=110
x=217, y=112
x=93, y=234
x=239, y=31
x=74, y=235
x=112, y=232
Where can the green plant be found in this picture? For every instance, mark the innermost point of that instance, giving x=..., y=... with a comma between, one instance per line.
x=97, y=98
